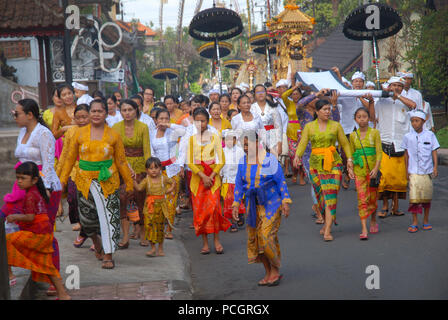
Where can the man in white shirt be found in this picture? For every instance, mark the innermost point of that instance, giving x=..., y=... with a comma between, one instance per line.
x=347, y=109
x=393, y=123
x=409, y=92
x=281, y=87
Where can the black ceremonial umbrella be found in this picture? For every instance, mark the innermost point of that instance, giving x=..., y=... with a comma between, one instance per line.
x=234, y=64
x=372, y=21
x=165, y=74
x=208, y=50
x=264, y=44
x=215, y=24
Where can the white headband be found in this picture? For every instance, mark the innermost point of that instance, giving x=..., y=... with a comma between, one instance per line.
x=79, y=86
x=396, y=80
x=282, y=82
x=417, y=114
x=358, y=75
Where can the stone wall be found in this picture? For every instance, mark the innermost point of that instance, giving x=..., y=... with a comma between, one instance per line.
x=8, y=142
x=10, y=93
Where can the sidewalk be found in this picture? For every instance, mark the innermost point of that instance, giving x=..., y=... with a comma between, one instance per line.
x=135, y=276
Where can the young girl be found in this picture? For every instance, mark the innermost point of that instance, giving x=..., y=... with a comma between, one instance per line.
x=232, y=154
x=366, y=144
x=155, y=210
x=206, y=159
x=32, y=247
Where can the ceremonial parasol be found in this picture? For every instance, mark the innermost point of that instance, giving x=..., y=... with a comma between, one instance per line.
x=264, y=45
x=165, y=74
x=234, y=64
x=372, y=21
x=208, y=50
x=215, y=24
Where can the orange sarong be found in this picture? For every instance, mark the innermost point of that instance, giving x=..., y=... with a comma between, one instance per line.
x=34, y=252
x=207, y=216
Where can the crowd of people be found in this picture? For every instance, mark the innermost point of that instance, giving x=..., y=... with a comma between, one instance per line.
x=127, y=166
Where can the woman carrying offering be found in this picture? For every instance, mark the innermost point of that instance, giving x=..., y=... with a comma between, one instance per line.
x=135, y=137
x=102, y=160
x=261, y=181
x=206, y=159
x=325, y=162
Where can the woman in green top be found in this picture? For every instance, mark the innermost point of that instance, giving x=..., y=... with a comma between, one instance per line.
x=325, y=162
x=366, y=143
x=135, y=136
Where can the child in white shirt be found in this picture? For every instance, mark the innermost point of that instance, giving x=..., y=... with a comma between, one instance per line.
x=232, y=155
x=421, y=162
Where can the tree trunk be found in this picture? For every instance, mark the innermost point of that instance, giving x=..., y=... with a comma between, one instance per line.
x=335, y=7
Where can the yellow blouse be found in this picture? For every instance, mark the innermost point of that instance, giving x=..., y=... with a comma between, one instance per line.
x=291, y=130
x=225, y=124
x=109, y=147
x=155, y=189
x=68, y=138
x=206, y=153
x=140, y=139
x=323, y=139
x=48, y=117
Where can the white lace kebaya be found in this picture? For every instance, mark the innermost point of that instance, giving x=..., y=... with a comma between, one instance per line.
x=40, y=149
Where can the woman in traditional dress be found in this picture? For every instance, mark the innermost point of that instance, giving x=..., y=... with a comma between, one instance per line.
x=135, y=137
x=271, y=134
x=261, y=181
x=235, y=93
x=114, y=114
x=246, y=120
x=206, y=159
x=63, y=117
x=217, y=121
x=102, y=160
x=165, y=147
x=325, y=162
x=294, y=129
x=49, y=113
x=367, y=151
x=35, y=143
x=176, y=115
x=224, y=102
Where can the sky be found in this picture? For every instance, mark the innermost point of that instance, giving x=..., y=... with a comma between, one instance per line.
x=148, y=10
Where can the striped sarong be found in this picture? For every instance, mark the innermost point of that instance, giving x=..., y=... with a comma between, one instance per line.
x=101, y=216
x=326, y=186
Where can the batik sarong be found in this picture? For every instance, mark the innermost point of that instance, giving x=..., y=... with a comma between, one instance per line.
x=326, y=186
x=101, y=216
x=367, y=196
x=263, y=238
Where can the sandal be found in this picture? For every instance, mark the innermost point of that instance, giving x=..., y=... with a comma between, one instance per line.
x=51, y=291
x=219, y=251
x=363, y=236
x=144, y=244
x=12, y=281
x=276, y=282
x=106, y=266
x=328, y=238
x=263, y=283
x=169, y=236
x=427, y=227
x=234, y=229
x=320, y=221
x=412, y=228
x=374, y=229
x=383, y=214
x=99, y=254
x=123, y=246
x=151, y=254
x=397, y=213
x=79, y=241
x=203, y=251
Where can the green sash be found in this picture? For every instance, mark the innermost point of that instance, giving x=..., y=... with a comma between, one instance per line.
x=358, y=155
x=101, y=166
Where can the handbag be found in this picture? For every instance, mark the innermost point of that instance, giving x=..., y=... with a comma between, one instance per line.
x=374, y=183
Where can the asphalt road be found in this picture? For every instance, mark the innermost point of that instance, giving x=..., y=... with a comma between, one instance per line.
x=411, y=266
